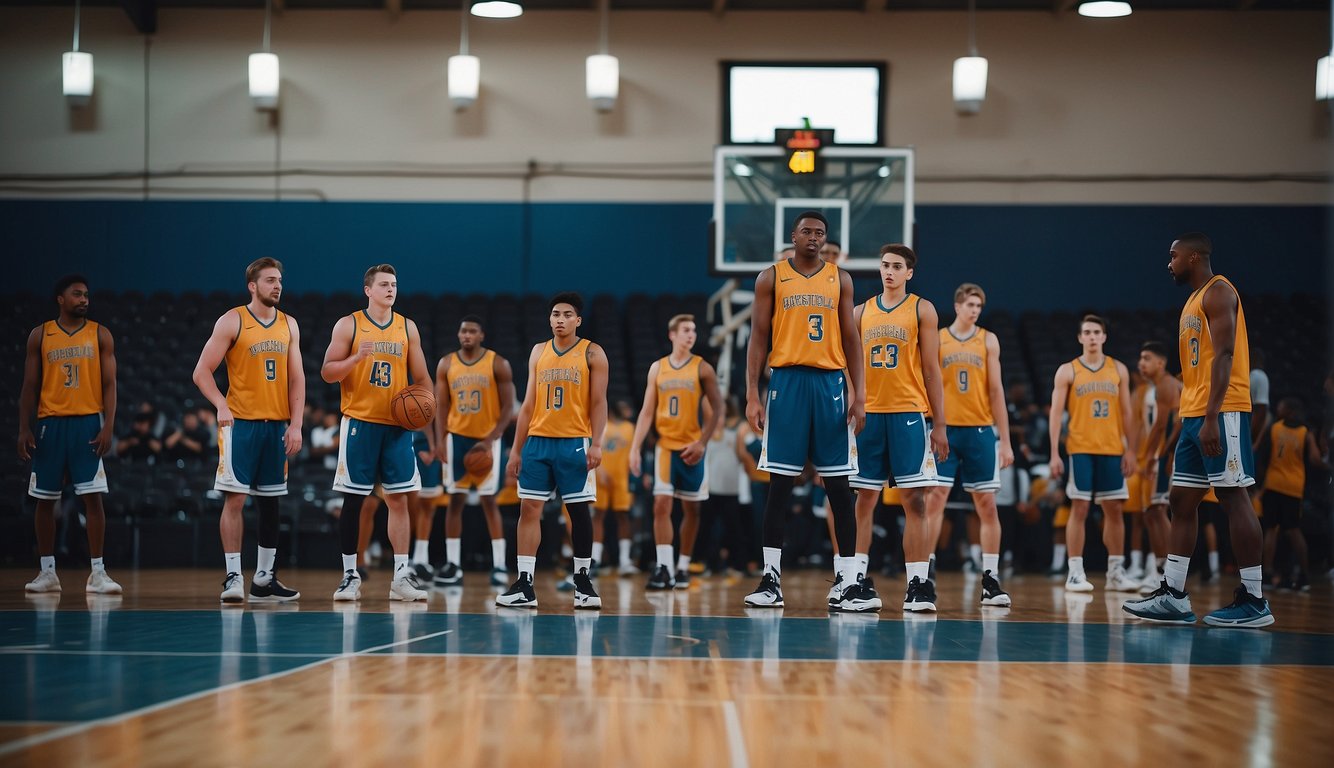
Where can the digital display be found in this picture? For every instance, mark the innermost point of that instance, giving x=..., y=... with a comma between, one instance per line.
x=760, y=97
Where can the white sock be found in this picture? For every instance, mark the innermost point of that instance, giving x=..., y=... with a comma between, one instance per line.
x=664, y=554
x=849, y=571
x=97, y=564
x=773, y=560
x=265, y=561
x=991, y=563
x=233, y=561
x=863, y=562
x=683, y=564
x=400, y=562
x=452, y=549
x=1175, y=572
x=526, y=564
x=566, y=550
x=498, y=554
x=421, y=551
x=918, y=570
x=349, y=562
x=1136, y=559
x=1150, y=563
x=1213, y=563
x=49, y=564
x=838, y=564
x=582, y=564
x=624, y=551
x=1077, y=567
x=1250, y=579
x=1057, y=557
x=597, y=551
x=1115, y=563
x=975, y=552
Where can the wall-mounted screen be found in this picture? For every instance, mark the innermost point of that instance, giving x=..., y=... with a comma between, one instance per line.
x=760, y=96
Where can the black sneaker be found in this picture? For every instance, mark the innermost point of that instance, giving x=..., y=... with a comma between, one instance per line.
x=931, y=572
x=992, y=594
x=449, y=575
x=661, y=579
x=683, y=579
x=859, y=598
x=585, y=596
x=520, y=594
x=273, y=592
x=423, y=572
x=769, y=594
x=921, y=596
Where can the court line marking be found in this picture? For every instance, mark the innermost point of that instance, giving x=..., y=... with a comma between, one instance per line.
x=20, y=651
x=736, y=741
x=71, y=730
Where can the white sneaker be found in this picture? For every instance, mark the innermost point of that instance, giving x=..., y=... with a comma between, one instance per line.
x=350, y=587
x=1151, y=581
x=405, y=587
x=46, y=581
x=1119, y=581
x=627, y=569
x=233, y=588
x=1077, y=583
x=1136, y=573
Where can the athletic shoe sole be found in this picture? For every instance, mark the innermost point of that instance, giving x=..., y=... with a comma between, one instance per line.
x=1001, y=600
x=1258, y=621
x=1187, y=619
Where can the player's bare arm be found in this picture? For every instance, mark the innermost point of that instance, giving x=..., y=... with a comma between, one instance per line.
x=417, y=369
x=503, y=375
x=443, y=404
x=852, y=352
x=928, y=344
x=996, y=392
x=525, y=414
x=713, y=401
x=645, y=420
x=340, y=358
x=107, y=359
x=1162, y=413
x=1065, y=375
x=757, y=350
x=1127, y=420
x=597, y=395
x=225, y=332
x=32, y=364
x=1220, y=314
x=296, y=390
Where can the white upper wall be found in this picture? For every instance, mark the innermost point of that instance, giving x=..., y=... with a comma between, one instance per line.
x=1163, y=93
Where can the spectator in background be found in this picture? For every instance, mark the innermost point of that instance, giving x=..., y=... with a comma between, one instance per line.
x=1259, y=396
x=324, y=437
x=723, y=507
x=140, y=444
x=189, y=440
x=157, y=421
x=833, y=252
x=208, y=420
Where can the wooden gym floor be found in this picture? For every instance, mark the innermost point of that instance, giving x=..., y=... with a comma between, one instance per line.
x=166, y=676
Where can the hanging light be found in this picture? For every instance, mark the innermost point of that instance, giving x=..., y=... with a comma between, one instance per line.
x=602, y=77
x=970, y=72
x=264, y=74
x=497, y=9
x=1103, y=9
x=77, y=69
x=464, y=72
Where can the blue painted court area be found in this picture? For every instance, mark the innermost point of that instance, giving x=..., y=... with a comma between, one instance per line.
x=66, y=666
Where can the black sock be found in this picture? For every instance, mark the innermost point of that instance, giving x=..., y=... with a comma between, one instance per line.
x=845, y=514
x=268, y=521
x=776, y=509
x=581, y=529
x=349, y=522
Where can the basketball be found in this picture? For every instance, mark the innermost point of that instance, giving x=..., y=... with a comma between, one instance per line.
x=477, y=460
x=413, y=407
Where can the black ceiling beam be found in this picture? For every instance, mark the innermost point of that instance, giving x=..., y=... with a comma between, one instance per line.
x=143, y=15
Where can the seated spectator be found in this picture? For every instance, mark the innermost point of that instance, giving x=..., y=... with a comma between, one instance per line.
x=209, y=421
x=324, y=438
x=190, y=439
x=139, y=444
x=157, y=421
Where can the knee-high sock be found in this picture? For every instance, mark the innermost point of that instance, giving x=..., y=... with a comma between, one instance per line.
x=776, y=509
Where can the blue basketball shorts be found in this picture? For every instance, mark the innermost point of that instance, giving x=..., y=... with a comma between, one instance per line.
x=974, y=458
x=431, y=472
x=895, y=445
x=553, y=465
x=1095, y=477
x=369, y=452
x=457, y=479
x=65, y=450
x=1235, y=468
x=673, y=477
x=252, y=458
x=806, y=421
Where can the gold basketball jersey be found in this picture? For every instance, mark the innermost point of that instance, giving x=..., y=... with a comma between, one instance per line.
x=677, y=417
x=368, y=390
x=891, y=358
x=805, y=323
x=71, y=371
x=963, y=364
x=1287, y=460
x=257, y=368
x=1095, y=410
x=1197, y=357
x=616, y=440
x=562, y=392
x=474, y=401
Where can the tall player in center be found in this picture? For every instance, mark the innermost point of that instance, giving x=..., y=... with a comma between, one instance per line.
x=815, y=402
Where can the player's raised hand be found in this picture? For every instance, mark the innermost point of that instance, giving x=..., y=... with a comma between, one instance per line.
x=26, y=444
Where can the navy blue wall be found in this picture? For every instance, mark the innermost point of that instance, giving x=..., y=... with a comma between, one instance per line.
x=1026, y=256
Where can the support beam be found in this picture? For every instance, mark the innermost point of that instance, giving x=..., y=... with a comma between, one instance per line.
x=143, y=15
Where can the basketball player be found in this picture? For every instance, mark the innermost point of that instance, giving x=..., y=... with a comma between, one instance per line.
x=978, y=428
x=423, y=503
x=474, y=389
x=673, y=407
x=371, y=354
x=1100, y=441
x=1162, y=398
x=69, y=379
x=614, y=493
x=813, y=409
x=558, y=445
x=901, y=353
x=1214, y=450
x=259, y=422
x=1285, y=449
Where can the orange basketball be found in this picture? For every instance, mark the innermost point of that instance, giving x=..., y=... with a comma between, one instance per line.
x=413, y=407
x=477, y=460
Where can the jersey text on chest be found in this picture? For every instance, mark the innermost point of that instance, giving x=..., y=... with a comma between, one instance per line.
x=473, y=381
x=809, y=300
x=1108, y=387
x=71, y=353
x=268, y=345
x=547, y=375
x=1191, y=323
x=885, y=332
x=964, y=358
x=394, y=348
